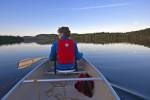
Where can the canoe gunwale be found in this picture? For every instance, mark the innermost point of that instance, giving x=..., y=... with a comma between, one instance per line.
x=14, y=87
x=23, y=80
x=107, y=83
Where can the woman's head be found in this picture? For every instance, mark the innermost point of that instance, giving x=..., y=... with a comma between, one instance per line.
x=64, y=31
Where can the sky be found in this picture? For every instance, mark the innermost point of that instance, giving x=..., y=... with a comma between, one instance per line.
x=32, y=17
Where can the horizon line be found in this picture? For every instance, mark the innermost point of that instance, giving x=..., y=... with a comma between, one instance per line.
x=84, y=32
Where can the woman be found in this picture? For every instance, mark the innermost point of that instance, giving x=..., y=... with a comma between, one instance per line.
x=64, y=51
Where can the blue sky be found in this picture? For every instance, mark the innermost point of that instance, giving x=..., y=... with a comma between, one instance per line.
x=32, y=17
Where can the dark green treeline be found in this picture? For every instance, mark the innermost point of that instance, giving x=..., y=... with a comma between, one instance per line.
x=141, y=37
x=10, y=39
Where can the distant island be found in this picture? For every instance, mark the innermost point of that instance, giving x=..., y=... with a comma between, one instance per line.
x=137, y=37
x=10, y=39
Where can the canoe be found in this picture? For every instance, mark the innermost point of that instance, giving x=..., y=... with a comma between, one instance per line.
x=42, y=84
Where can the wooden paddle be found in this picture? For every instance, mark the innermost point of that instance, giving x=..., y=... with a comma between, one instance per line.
x=29, y=61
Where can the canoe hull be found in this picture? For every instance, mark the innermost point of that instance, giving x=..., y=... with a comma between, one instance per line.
x=42, y=84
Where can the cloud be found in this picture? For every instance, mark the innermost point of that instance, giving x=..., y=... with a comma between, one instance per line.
x=103, y=6
x=95, y=7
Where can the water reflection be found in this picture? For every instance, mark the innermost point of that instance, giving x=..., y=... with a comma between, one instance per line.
x=126, y=65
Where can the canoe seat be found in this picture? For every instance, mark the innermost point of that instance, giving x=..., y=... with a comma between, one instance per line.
x=65, y=71
x=71, y=73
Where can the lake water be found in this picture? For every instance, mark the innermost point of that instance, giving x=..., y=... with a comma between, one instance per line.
x=124, y=65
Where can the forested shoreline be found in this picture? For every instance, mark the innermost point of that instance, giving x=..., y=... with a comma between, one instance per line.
x=141, y=37
x=10, y=39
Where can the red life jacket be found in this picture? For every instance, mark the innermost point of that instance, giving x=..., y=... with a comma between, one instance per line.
x=66, y=51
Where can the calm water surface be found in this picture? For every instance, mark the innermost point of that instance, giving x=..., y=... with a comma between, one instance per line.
x=124, y=65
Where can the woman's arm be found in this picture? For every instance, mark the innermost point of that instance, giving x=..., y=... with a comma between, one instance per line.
x=78, y=54
x=52, y=55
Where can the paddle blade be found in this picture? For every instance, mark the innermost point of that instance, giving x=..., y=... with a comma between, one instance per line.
x=27, y=62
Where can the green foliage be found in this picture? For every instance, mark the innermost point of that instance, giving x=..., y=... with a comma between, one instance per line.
x=137, y=37
x=10, y=39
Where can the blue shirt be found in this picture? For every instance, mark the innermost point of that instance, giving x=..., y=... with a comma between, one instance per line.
x=53, y=52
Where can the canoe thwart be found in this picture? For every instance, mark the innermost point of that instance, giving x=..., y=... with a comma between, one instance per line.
x=64, y=79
